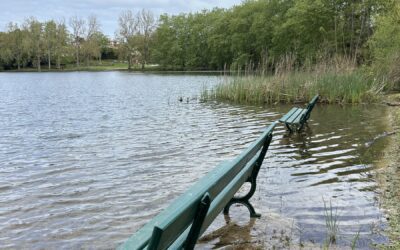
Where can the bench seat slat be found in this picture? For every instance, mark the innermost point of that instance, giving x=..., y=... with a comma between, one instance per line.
x=288, y=114
x=298, y=118
x=294, y=116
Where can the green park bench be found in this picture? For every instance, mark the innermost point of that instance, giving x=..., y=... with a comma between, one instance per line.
x=297, y=117
x=181, y=224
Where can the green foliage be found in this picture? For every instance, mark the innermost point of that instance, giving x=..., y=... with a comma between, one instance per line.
x=34, y=43
x=262, y=32
x=306, y=28
x=385, y=44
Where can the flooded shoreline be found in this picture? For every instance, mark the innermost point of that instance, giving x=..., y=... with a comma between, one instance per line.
x=88, y=158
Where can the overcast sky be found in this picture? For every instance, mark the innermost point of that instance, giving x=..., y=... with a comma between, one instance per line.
x=107, y=11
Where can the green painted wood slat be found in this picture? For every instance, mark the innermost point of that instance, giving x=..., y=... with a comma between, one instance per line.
x=294, y=116
x=287, y=115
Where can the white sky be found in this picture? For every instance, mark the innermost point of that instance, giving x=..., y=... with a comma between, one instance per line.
x=107, y=11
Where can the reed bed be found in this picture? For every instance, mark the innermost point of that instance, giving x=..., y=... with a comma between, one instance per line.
x=336, y=81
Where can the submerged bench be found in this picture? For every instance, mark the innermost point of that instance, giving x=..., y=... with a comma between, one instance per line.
x=185, y=220
x=296, y=117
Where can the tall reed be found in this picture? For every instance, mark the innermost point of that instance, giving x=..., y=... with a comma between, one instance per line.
x=337, y=80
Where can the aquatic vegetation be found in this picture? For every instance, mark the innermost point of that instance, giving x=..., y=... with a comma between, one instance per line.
x=334, y=86
x=331, y=222
x=336, y=79
x=354, y=241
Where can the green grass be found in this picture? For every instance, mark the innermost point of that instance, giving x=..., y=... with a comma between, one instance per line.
x=299, y=86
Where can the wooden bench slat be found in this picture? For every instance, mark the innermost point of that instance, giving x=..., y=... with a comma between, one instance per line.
x=294, y=116
x=288, y=114
x=299, y=117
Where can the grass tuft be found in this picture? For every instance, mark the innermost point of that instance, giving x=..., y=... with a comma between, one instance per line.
x=331, y=222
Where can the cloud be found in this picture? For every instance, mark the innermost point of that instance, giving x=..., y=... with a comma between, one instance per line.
x=107, y=11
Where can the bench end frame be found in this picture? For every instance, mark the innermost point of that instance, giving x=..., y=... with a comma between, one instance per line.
x=245, y=200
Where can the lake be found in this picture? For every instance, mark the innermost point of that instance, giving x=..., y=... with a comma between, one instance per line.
x=87, y=158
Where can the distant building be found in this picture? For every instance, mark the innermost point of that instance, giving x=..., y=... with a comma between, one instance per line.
x=113, y=43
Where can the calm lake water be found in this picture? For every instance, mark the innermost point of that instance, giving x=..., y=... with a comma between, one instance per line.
x=87, y=158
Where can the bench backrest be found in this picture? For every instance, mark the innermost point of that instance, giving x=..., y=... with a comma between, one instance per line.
x=311, y=105
x=172, y=226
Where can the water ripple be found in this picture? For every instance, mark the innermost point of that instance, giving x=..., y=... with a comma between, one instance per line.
x=87, y=158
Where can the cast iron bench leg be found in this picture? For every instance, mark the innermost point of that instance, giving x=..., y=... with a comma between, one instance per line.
x=245, y=200
x=288, y=127
x=253, y=181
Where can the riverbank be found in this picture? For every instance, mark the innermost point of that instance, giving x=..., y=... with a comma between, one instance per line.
x=124, y=68
x=92, y=66
x=389, y=174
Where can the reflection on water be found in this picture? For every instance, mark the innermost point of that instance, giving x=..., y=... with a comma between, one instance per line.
x=87, y=158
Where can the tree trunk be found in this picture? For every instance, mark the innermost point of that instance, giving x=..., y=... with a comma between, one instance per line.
x=58, y=62
x=18, y=62
x=359, y=38
x=352, y=30
x=49, y=56
x=129, y=63
x=38, y=64
x=77, y=57
x=336, y=42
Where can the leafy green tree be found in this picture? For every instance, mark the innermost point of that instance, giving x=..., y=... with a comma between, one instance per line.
x=50, y=39
x=15, y=49
x=385, y=44
x=306, y=29
x=35, y=41
x=103, y=42
x=62, y=42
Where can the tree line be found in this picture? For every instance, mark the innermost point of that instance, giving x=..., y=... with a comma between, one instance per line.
x=253, y=34
x=80, y=41
x=261, y=32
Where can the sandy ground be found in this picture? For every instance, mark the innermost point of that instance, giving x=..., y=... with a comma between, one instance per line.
x=389, y=173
